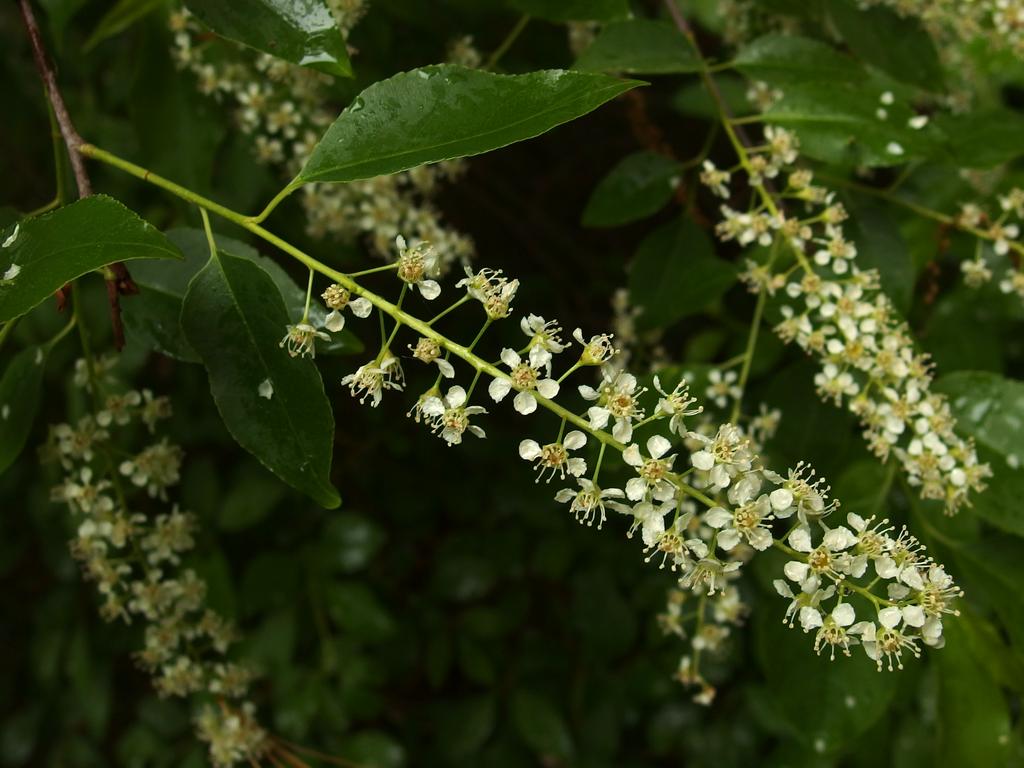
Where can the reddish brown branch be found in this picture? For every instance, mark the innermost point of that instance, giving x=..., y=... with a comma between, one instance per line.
x=119, y=281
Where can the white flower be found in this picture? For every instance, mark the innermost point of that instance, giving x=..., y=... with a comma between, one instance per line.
x=749, y=521
x=651, y=472
x=617, y=397
x=450, y=415
x=676, y=404
x=554, y=458
x=525, y=377
x=588, y=503
x=545, y=340
x=417, y=265
x=429, y=351
x=722, y=387
x=372, y=379
x=597, y=351
x=723, y=457
x=300, y=339
x=337, y=299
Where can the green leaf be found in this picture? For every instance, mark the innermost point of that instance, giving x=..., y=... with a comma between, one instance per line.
x=541, y=725
x=234, y=317
x=676, y=274
x=639, y=46
x=881, y=246
x=53, y=249
x=20, y=389
x=982, y=138
x=896, y=44
x=989, y=408
x=838, y=123
x=637, y=187
x=301, y=31
x=573, y=10
x=153, y=317
x=464, y=726
x=835, y=701
x=786, y=59
x=120, y=17
x=975, y=725
x=442, y=112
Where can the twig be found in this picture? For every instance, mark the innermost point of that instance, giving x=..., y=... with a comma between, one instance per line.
x=119, y=281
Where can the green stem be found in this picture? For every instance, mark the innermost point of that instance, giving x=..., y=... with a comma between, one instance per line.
x=257, y=219
x=452, y=308
x=748, y=355
x=505, y=44
x=374, y=270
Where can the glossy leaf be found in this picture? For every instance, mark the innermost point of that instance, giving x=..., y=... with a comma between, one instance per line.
x=301, y=31
x=982, y=138
x=881, y=246
x=573, y=10
x=20, y=389
x=153, y=317
x=53, y=249
x=976, y=727
x=896, y=44
x=639, y=186
x=639, y=46
x=989, y=408
x=442, y=112
x=780, y=59
x=234, y=317
x=675, y=274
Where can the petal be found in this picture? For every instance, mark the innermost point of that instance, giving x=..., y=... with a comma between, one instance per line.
x=914, y=615
x=781, y=499
x=795, y=570
x=547, y=388
x=636, y=488
x=598, y=417
x=623, y=430
x=498, y=388
x=574, y=440
x=810, y=618
x=658, y=446
x=587, y=393
x=456, y=396
x=632, y=455
x=334, y=321
x=429, y=289
x=843, y=614
x=760, y=539
x=717, y=517
x=525, y=403
x=800, y=539
x=728, y=539
x=576, y=466
x=890, y=617
x=529, y=449
x=703, y=460
x=446, y=368
x=510, y=357
x=360, y=307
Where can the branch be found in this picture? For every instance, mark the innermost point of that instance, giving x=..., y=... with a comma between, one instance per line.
x=119, y=281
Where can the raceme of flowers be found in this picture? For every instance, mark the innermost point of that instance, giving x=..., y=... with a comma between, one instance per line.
x=285, y=108
x=837, y=312
x=999, y=22
x=135, y=560
x=1002, y=232
x=700, y=499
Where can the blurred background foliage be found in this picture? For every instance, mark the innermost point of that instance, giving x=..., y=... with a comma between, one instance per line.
x=450, y=613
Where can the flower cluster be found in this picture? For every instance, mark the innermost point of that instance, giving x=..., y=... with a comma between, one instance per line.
x=837, y=312
x=135, y=560
x=1001, y=232
x=697, y=492
x=285, y=108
